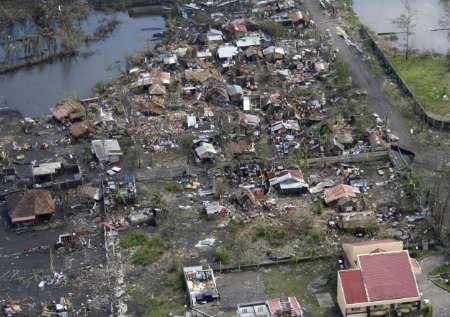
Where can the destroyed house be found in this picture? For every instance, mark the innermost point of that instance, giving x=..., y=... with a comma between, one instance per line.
x=290, y=126
x=69, y=109
x=383, y=284
x=236, y=28
x=30, y=206
x=123, y=190
x=8, y=174
x=288, y=18
x=338, y=192
x=288, y=181
x=205, y=151
x=56, y=174
x=248, y=41
x=280, y=307
x=107, y=150
x=201, y=285
x=214, y=35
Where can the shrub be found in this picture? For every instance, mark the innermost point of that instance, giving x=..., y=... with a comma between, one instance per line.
x=222, y=255
x=172, y=187
x=150, y=252
x=271, y=234
x=174, y=279
x=133, y=238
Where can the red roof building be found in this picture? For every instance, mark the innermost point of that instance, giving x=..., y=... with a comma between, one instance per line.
x=388, y=276
x=235, y=27
x=353, y=287
x=384, y=281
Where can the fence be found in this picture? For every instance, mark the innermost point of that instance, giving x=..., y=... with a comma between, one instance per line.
x=280, y=261
x=432, y=119
x=349, y=158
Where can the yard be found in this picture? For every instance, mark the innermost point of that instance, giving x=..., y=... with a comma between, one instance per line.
x=429, y=78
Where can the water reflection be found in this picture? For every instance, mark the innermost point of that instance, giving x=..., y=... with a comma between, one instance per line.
x=431, y=15
x=32, y=91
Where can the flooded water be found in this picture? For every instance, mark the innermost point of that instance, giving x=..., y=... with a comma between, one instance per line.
x=33, y=90
x=430, y=15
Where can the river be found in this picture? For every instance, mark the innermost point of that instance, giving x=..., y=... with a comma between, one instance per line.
x=33, y=90
x=430, y=14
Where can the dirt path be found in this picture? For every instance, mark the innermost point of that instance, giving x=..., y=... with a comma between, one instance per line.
x=427, y=157
x=439, y=298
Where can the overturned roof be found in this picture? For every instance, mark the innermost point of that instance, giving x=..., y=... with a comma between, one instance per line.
x=26, y=206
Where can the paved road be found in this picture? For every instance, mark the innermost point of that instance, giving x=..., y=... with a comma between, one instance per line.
x=439, y=298
x=427, y=157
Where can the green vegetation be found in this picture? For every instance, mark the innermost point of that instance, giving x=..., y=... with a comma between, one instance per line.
x=429, y=78
x=149, y=252
x=100, y=88
x=445, y=268
x=275, y=236
x=295, y=280
x=442, y=284
x=174, y=277
x=171, y=155
x=103, y=30
x=272, y=28
x=149, y=249
x=172, y=187
x=222, y=255
x=427, y=310
x=134, y=238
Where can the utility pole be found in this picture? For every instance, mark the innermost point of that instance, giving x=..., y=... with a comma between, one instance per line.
x=52, y=268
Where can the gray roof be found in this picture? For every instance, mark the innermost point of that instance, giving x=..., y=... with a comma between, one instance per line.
x=103, y=149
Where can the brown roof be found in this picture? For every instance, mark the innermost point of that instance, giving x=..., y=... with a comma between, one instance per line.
x=200, y=75
x=32, y=203
x=152, y=106
x=71, y=109
x=157, y=89
x=370, y=242
x=78, y=129
x=338, y=192
x=388, y=276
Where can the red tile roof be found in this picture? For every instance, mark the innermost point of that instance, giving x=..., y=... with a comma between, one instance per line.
x=353, y=287
x=388, y=276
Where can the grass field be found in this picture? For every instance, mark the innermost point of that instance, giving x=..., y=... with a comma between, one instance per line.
x=429, y=78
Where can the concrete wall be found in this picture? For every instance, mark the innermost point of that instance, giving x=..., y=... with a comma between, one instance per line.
x=432, y=119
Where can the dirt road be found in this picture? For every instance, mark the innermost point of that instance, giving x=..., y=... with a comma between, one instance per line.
x=428, y=157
